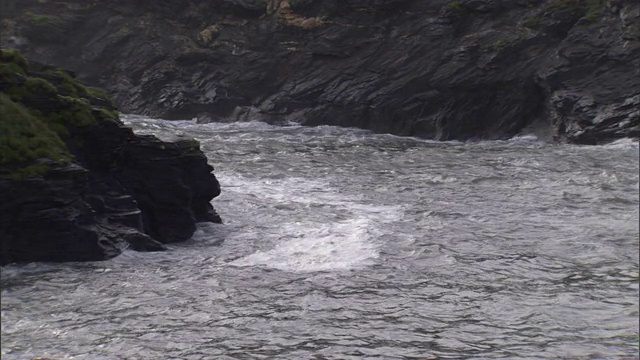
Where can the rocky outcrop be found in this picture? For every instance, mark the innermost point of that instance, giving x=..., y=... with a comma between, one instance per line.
x=172, y=184
x=77, y=185
x=48, y=219
x=442, y=69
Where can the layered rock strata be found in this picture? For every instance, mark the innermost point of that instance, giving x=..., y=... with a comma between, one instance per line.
x=441, y=69
x=78, y=185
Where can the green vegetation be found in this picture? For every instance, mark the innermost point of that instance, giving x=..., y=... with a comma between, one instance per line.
x=594, y=9
x=66, y=83
x=98, y=93
x=38, y=19
x=456, y=5
x=533, y=21
x=30, y=87
x=586, y=9
x=39, y=112
x=24, y=138
x=498, y=44
x=14, y=59
x=590, y=9
x=76, y=112
x=69, y=86
x=103, y=114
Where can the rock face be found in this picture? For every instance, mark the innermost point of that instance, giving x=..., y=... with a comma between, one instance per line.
x=441, y=69
x=172, y=184
x=47, y=219
x=113, y=189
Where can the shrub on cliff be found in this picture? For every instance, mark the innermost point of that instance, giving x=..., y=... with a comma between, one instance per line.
x=38, y=109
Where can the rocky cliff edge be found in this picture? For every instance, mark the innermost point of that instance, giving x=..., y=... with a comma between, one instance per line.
x=76, y=184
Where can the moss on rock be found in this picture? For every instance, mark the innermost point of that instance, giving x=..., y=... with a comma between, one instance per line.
x=38, y=112
x=39, y=19
x=12, y=56
x=25, y=138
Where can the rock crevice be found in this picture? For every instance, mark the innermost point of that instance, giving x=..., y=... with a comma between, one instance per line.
x=104, y=189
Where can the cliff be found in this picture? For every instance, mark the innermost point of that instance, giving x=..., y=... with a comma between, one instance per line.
x=76, y=184
x=441, y=69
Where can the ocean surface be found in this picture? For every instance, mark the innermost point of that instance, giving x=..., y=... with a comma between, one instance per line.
x=345, y=244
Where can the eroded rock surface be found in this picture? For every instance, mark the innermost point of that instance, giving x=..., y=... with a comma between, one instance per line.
x=441, y=69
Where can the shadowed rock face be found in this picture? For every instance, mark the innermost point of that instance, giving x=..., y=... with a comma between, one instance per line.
x=49, y=220
x=118, y=190
x=439, y=69
x=172, y=184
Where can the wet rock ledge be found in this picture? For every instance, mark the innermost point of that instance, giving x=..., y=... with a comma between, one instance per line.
x=78, y=185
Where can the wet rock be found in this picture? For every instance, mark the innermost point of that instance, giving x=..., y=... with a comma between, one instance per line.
x=105, y=190
x=468, y=69
x=172, y=184
x=47, y=219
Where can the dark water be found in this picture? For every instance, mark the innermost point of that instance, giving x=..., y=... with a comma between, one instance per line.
x=342, y=244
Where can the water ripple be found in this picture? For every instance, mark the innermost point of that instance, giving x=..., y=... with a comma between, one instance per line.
x=342, y=244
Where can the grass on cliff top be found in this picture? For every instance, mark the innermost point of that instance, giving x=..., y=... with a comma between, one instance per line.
x=24, y=138
x=37, y=115
x=71, y=87
x=13, y=57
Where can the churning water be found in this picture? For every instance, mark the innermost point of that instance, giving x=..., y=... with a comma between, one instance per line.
x=343, y=244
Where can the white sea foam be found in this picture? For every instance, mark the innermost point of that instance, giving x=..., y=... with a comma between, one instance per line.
x=626, y=143
x=332, y=236
x=325, y=243
x=525, y=138
x=297, y=191
x=309, y=247
x=143, y=122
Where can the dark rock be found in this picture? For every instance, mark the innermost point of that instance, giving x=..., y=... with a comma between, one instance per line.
x=141, y=242
x=169, y=184
x=47, y=219
x=120, y=190
x=440, y=69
